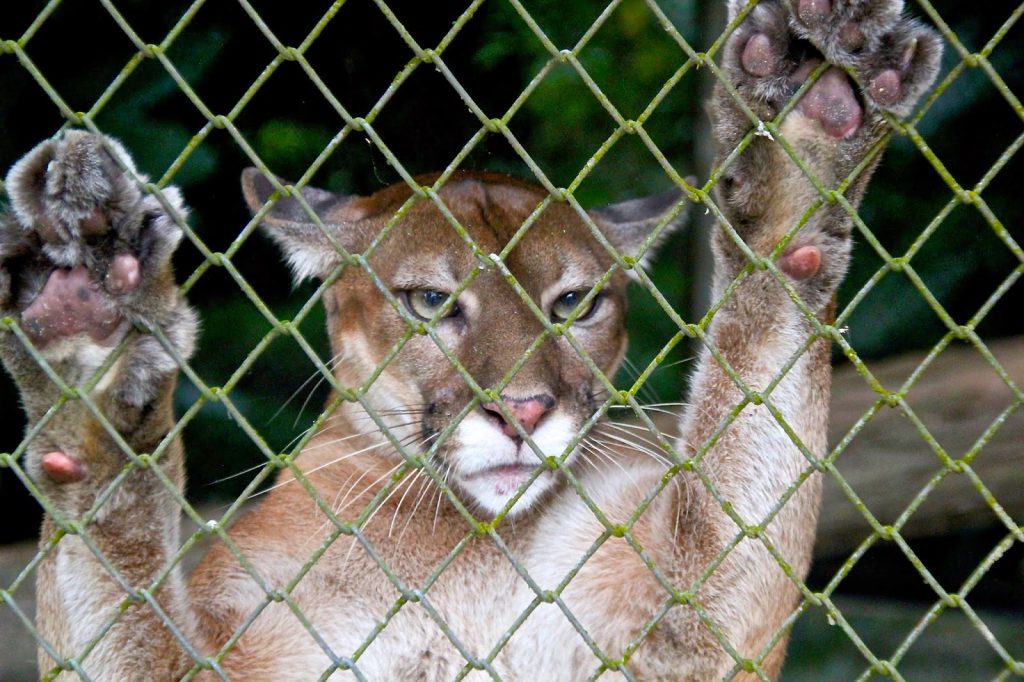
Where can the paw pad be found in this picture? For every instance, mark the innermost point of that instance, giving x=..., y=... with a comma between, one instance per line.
x=124, y=274
x=94, y=224
x=62, y=468
x=69, y=304
x=759, y=59
x=892, y=57
x=832, y=102
x=852, y=37
x=813, y=12
x=801, y=263
x=886, y=88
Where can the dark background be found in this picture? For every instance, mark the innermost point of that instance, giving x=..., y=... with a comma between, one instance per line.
x=80, y=50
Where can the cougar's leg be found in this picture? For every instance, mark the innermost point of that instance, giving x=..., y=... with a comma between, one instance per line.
x=84, y=261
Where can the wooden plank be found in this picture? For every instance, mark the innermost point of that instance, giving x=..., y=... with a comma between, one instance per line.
x=957, y=398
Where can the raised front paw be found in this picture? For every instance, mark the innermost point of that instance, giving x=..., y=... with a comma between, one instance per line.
x=894, y=59
x=894, y=56
x=84, y=256
x=865, y=58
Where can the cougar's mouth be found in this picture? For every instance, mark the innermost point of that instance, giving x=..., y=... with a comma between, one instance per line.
x=503, y=470
x=504, y=478
x=491, y=467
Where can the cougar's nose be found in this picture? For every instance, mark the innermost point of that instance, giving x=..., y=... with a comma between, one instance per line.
x=527, y=410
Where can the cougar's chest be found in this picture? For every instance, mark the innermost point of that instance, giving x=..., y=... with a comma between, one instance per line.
x=434, y=614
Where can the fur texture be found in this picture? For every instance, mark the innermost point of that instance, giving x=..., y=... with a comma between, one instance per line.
x=84, y=267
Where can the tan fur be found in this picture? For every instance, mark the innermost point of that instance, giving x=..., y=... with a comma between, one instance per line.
x=480, y=594
x=386, y=573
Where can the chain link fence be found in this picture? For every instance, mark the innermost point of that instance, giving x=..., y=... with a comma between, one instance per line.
x=19, y=51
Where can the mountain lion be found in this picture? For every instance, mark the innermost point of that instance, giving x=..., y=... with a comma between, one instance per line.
x=464, y=526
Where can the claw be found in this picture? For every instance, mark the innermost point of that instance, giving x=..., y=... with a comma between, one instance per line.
x=908, y=55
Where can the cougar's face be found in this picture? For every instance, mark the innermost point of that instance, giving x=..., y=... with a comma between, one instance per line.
x=448, y=340
x=487, y=450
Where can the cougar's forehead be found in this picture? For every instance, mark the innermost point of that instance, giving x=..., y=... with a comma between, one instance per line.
x=491, y=209
x=422, y=250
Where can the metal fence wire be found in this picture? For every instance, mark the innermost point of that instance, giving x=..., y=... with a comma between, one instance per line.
x=422, y=56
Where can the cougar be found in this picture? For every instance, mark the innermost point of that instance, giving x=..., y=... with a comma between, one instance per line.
x=475, y=512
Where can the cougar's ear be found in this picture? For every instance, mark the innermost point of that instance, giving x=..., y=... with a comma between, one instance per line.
x=628, y=224
x=306, y=247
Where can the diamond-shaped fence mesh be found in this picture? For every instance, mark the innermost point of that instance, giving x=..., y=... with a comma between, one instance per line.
x=590, y=102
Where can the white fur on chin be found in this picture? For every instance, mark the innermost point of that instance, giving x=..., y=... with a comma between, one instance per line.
x=484, y=455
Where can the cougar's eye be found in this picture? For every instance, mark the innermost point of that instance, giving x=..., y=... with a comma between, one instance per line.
x=424, y=303
x=567, y=302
